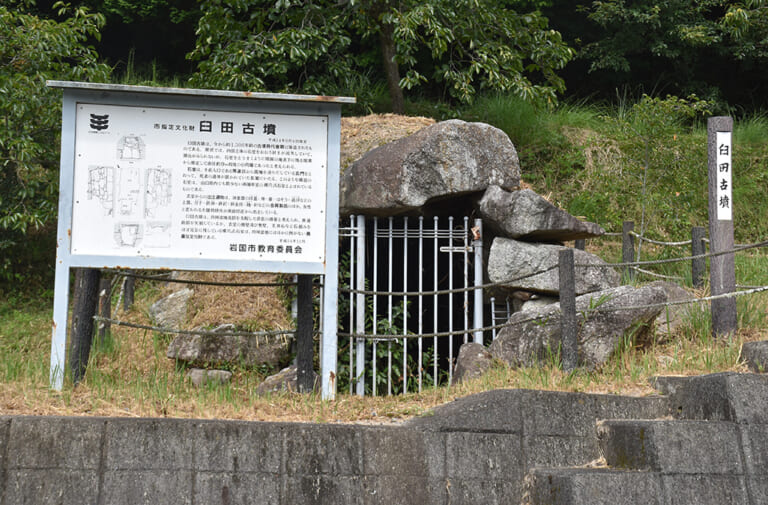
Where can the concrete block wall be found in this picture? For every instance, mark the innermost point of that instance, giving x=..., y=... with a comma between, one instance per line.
x=475, y=450
x=713, y=452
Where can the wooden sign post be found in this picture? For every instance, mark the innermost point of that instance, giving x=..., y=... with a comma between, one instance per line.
x=722, y=267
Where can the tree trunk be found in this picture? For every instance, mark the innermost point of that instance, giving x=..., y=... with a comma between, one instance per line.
x=391, y=70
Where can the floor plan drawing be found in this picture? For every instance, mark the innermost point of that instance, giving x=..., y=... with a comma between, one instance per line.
x=131, y=147
x=127, y=190
x=100, y=186
x=127, y=234
x=157, y=234
x=157, y=195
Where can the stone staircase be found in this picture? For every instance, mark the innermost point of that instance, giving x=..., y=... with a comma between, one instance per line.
x=713, y=450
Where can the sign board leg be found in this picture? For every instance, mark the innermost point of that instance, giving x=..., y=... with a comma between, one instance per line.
x=304, y=330
x=59, y=337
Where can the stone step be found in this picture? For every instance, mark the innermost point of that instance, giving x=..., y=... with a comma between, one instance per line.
x=591, y=486
x=604, y=486
x=681, y=447
x=725, y=396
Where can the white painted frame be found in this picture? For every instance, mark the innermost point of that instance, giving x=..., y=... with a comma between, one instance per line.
x=190, y=99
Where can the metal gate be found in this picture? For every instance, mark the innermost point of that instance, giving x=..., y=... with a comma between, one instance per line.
x=410, y=301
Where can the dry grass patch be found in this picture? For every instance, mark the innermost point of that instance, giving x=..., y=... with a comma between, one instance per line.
x=361, y=134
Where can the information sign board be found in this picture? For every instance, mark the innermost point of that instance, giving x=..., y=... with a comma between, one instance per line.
x=181, y=179
x=161, y=182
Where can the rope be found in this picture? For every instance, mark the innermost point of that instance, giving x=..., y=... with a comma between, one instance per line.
x=204, y=283
x=257, y=334
x=659, y=242
x=634, y=264
x=681, y=302
x=654, y=274
x=674, y=260
x=369, y=336
x=373, y=336
x=443, y=291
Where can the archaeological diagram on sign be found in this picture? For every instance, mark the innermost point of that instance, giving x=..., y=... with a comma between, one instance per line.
x=157, y=194
x=136, y=197
x=131, y=147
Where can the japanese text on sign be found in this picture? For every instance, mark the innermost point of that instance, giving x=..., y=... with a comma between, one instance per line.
x=723, y=192
x=189, y=183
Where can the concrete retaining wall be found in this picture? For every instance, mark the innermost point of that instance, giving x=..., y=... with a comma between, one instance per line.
x=714, y=452
x=476, y=450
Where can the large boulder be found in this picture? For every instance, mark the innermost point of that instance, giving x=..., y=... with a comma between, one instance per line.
x=473, y=361
x=534, y=267
x=286, y=380
x=673, y=316
x=524, y=214
x=446, y=159
x=535, y=334
x=219, y=347
x=171, y=311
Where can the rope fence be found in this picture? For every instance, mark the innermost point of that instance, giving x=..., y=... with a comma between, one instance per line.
x=160, y=329
x=271, y=336
x=167, y=278
x=661, y=305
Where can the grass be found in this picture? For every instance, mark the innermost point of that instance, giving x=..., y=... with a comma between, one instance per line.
x=129, y=375
x=571, y=154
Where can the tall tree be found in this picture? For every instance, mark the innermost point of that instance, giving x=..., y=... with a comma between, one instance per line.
x=147, y=37
x=677, y=46
x=32, y=50
x=327, y=46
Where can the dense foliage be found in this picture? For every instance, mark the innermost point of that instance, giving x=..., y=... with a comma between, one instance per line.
x=451, y=47
x=33, y=50
x=679, y=47
x=431, y=57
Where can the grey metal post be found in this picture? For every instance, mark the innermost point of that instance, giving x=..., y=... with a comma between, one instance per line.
x=105, y=308
x=722, y=270
x=360, y=307
x=305, y=380
x=478, y=300
x=569, y=331
x=628, y=249
x=698, y=265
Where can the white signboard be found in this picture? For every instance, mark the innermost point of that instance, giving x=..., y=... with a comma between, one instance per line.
x=182, y=183
x=724, y=176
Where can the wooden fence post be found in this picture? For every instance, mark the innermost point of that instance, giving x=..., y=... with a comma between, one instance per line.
x=84, y=308
x=698, y=265
x=128, y=293
x=628, y=249
x=722, y=269
x=568, y=325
